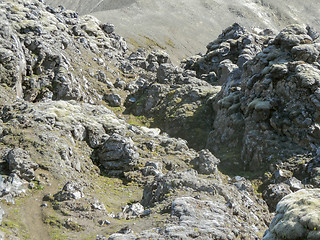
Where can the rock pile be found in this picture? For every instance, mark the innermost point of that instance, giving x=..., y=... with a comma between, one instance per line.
x=68, y=87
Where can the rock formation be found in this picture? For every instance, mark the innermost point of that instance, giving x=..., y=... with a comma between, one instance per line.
x=297, y=217
x=99, y=141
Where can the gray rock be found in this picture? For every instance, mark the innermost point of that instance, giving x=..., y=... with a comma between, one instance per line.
x=297, y=217
x=21, y=164
x=101, y=76
x=274, y=193
x=308, y=75
x=164, y=71
x=206, y=163
x=120, y=83
x=11, y=186
x=209, y=221
x=307, y=52
x=225, y=68
x=108, y=28
x=113, y=99
x=70, y=191
x=134, y=210
x=117, y=153
x=1, y=215
x=292, y=36
x=121, y=236
x=294, y=184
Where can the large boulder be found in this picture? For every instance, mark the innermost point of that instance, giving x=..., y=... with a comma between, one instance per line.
x=297, y=217
x=21, y=164
x=118, y=153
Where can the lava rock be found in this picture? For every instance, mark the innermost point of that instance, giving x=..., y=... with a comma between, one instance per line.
x=20, y=163
x=108, y=28
x=113, y=99
x=206, y=163
x=297, y=217
x=70, y=191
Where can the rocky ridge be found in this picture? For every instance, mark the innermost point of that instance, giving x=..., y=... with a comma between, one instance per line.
x=73, y=153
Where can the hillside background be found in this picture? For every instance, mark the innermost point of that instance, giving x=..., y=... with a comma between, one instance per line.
x=183, y=28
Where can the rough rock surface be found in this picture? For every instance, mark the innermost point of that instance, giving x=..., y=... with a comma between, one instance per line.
x=297, y=217
x=20, y=163
x=175, y=100
x=273, y=100
x=74, y=156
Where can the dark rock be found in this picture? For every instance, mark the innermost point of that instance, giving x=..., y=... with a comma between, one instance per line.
x=306, y=52
x=118, y=152
x=113, y=99
x=274, y=193
x=108, y=28
x=120, y=83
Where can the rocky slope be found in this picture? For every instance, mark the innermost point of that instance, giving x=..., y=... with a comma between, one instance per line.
x=100, y=142
x=184, y=28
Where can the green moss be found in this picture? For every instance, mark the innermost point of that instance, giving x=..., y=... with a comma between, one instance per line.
x=74, y=226
x=15, y=226
x=10, y=224
x=57, y=234
x=139, y=120
x=37, y=185
x=178, y=100
x=152, y=43
x=53, y=220
x=256, y=185
x=116, y=109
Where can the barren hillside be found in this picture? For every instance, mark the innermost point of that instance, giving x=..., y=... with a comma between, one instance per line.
x=184, y=28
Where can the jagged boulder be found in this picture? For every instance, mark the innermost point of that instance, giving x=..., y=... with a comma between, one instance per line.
x=206, y=163
x=118, y=153
x=11, y=187
x=235, y=46
x=20, y=163
x=203, y=218
x=70, y=191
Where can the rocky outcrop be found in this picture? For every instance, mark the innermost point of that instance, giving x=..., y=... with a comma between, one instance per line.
x=297, y=217
x=200, y=215
x=78, y=158
x=51, y=51
x=20, y=163
x=271, y=102
x=174, y=99
x=266, y=112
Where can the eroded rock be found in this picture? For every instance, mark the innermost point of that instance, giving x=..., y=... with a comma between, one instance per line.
x=21, y=164
x=297, y=217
